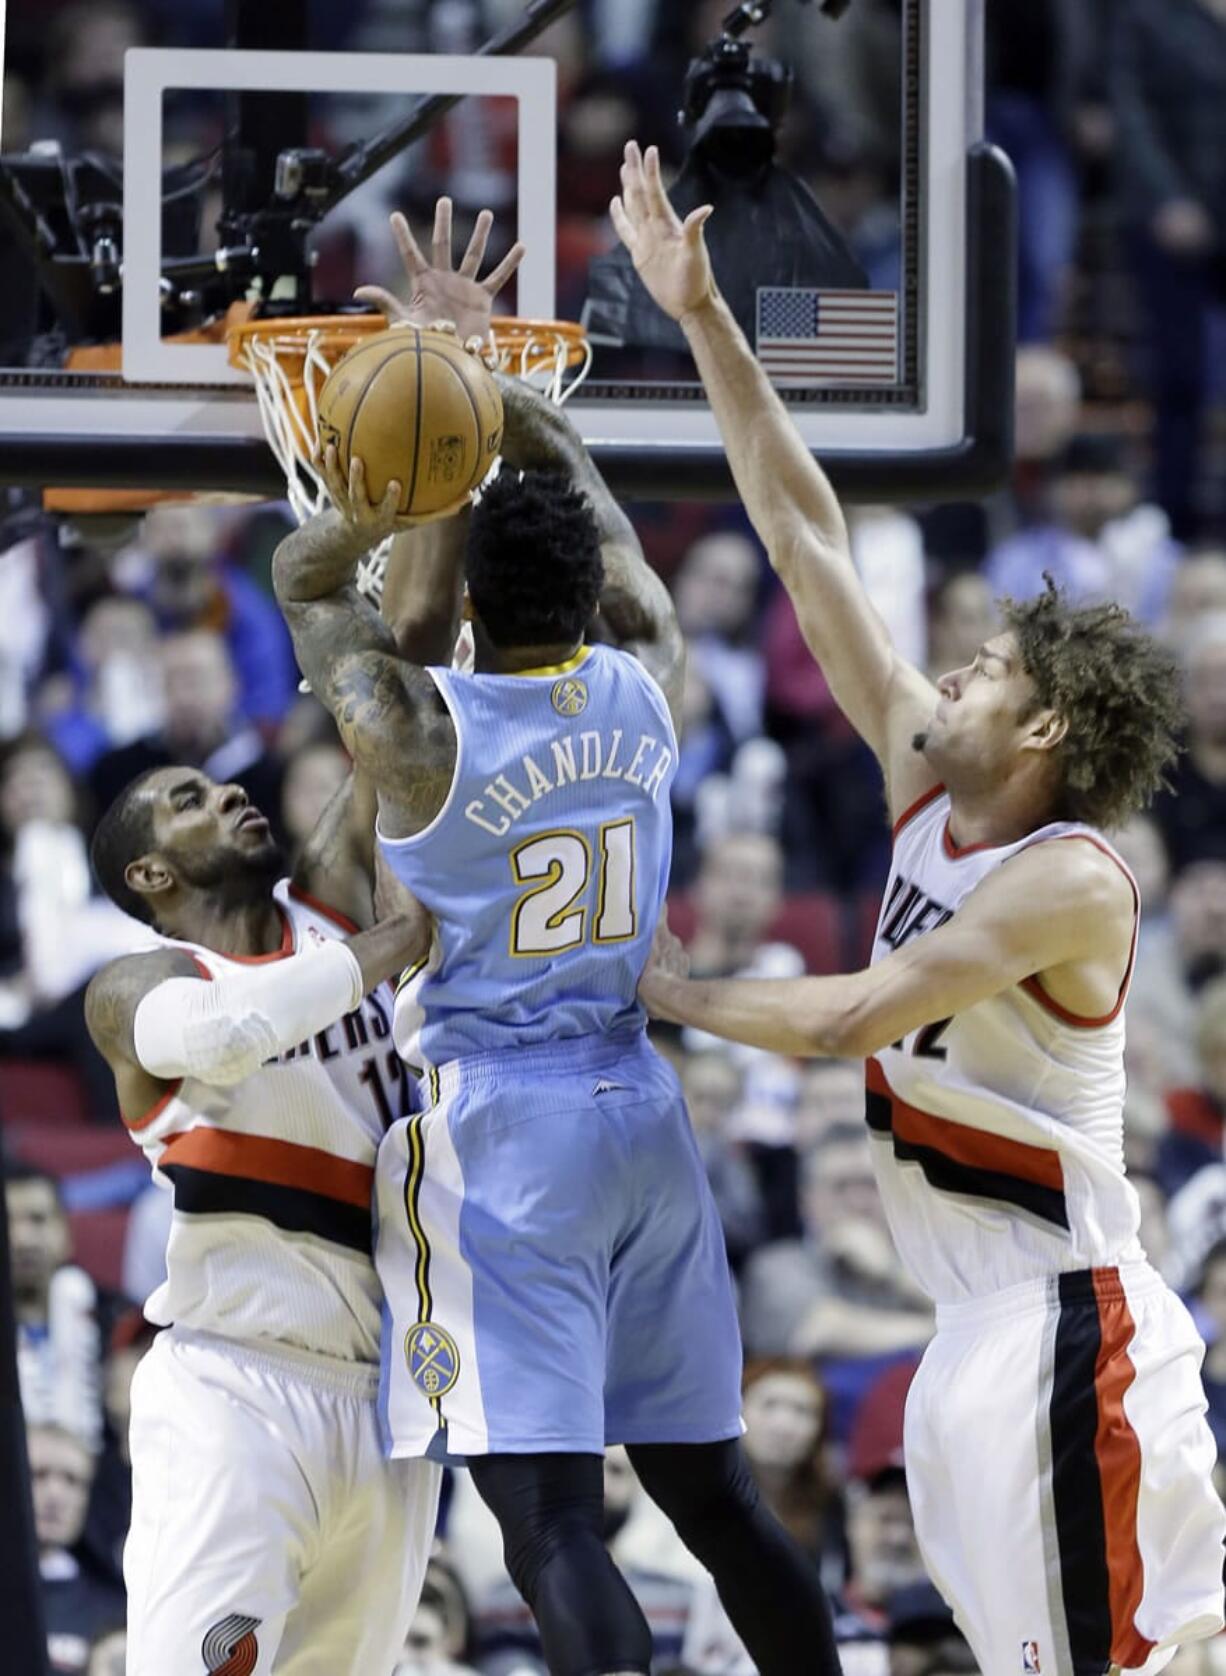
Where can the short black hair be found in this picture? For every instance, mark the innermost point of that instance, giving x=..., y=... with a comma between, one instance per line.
x=17, y=1171
x=533, y=560
x=125, y=833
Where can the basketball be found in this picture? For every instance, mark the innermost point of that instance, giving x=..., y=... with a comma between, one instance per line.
x=418, y=407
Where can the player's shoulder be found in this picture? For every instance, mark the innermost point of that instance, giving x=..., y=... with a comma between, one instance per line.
x=115, y=992
x=1077, y=868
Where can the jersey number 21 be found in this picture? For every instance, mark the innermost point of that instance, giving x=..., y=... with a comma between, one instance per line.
x=553, y=912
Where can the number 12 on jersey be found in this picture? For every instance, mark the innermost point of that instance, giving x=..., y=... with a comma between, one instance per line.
x=552, y=914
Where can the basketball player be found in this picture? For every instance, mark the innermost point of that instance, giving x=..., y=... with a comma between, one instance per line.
x=255, y=1066
x=548, y=1245
x=1057, y=1452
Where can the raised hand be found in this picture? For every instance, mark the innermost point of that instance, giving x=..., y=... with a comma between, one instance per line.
x=670, y=254
x=438, y=292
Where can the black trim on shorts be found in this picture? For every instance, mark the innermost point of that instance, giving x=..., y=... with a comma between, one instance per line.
x=1077, y=1489
x=296, y=1210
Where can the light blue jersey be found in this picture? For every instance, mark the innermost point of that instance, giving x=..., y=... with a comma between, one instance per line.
x=547, y=866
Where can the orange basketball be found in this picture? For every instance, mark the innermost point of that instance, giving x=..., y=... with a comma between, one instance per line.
x=418, y=407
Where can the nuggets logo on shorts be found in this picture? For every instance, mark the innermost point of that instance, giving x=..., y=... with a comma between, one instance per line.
x=569, y=696
x=433, y=1358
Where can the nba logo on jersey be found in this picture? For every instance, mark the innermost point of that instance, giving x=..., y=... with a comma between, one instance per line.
x=1030, y=1659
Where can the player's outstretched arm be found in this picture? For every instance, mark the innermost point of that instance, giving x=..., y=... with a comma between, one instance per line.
x=634, y=602
x=388, y=711
x=1068, y=916
x=788, y=496
x=155, y=1019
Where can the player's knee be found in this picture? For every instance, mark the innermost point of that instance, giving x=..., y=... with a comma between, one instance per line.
x=699, y=1486
x=533, y=1546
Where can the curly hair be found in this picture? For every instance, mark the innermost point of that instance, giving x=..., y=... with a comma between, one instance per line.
x=533, y=560
x=1118, y=691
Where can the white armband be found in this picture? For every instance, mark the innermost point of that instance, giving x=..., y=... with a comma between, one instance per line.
x=221, y=1031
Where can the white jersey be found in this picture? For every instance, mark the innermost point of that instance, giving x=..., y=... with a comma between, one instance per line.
x=271, y=1235
x=999, y=1133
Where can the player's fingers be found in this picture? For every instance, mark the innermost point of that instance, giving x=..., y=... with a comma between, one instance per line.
x=633, y=194
x=657, y=198
x=410, y=251
x=333, y=479
x=390, y=307
x=696, y=220
x=622, y=225
x=357, y=487
x=442, y=235
x=389, y=506
x=497, y=277
x=475, y=254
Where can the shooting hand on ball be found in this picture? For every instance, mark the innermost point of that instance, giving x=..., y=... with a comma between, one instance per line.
x=669, y=254
x=439, y=293
x=351, y=498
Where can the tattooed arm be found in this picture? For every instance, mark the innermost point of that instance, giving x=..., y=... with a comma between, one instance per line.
x=389, y=712
x=634, y=601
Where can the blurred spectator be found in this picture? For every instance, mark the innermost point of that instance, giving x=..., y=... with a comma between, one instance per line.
x=110, y=1508
x=786, y=1418
x=961, y=616
x=84, y=89
x=425, y=1647
x=839, y=1290
x=117, y=697
x=1198, y=592
x=713, y=1085
x=1087, y=527
x=507, y=1639
x=108, y=1653
x=55, y=930
x=56, y=1305
x=1198, y=1114
x=1192, y=813
x=191, y=586
x=313, y=776
x=834, y=829
x=1174, y=963
x=1211, y=1303
x=831, y=1095
x=1168, y=89
x=923, y=1638
x=78, y=1602
x=199, y=728
x=1034, y=66
x=716, y=595
x=883, y=1558
x=25, y=626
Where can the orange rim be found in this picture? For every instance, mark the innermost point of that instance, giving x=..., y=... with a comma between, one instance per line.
x=336, y=334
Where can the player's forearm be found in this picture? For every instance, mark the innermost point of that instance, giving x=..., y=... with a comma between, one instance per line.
x=423, y=588
x=783, y=487
x=802, y=1017
x=318, y=559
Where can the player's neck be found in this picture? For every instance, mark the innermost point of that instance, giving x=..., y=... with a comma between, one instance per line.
x=999, y=814
x=522, y=660
x=245, y=930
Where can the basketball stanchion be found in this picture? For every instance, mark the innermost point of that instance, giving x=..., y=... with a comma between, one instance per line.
x=290, y=361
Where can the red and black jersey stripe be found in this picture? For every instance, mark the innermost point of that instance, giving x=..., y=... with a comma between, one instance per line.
x=301, y=1189
x=957, y=1158
x=1096, y=1474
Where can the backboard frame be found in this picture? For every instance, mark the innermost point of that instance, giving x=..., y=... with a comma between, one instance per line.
x=958, y=442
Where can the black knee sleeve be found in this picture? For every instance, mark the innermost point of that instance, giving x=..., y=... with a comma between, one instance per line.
x=550, y=1509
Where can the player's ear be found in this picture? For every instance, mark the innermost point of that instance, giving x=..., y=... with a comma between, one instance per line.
x=148, y=875
x=1046, y=730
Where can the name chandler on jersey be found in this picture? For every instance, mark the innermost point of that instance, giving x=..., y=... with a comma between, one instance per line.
x=590, y=755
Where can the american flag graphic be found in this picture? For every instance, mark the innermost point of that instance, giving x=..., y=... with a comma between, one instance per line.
x=808, y=337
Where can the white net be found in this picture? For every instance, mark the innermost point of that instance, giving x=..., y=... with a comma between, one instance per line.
x=290, y=367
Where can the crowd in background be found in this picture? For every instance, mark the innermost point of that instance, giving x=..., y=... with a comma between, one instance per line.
x=126, y=643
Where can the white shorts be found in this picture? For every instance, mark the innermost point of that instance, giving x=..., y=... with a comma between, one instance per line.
x=268, y=1530
x=1061, y=1475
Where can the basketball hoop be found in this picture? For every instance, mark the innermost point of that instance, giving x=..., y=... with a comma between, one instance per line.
x=290, y=360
